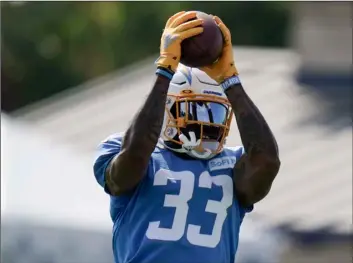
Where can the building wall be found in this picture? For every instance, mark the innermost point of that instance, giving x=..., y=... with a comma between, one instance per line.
x=322, y=34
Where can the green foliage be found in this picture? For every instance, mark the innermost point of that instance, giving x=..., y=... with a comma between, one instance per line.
x=51, y=46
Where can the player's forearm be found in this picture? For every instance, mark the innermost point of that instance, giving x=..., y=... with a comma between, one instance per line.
x=256, y=170
x=142, y=135
x=255, y=176
x=255, y=133
x=128, y=168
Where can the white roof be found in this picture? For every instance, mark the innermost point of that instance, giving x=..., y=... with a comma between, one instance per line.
x=313, y=188
x=44, y=182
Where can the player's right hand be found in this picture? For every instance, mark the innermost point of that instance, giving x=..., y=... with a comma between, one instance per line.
x=176, y=30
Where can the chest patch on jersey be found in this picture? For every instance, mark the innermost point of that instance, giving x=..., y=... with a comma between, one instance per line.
x=222, y=163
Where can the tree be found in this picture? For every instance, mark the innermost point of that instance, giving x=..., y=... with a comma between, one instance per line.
x=51, y=46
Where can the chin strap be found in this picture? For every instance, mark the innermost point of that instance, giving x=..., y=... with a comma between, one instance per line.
x=189, y=146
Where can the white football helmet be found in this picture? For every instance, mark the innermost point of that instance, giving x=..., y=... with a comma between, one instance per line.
x=197, y=115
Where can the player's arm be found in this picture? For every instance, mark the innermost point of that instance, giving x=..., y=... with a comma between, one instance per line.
x=257, y=168
x=127, y=168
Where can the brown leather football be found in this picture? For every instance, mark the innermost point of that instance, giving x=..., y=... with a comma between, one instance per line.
x=203, y=49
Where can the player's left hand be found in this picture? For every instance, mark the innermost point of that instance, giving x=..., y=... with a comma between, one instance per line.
x=224, y=67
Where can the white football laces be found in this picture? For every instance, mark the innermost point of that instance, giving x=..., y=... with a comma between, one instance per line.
x=190, y=145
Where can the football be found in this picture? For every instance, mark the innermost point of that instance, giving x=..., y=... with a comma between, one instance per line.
x=203, y=49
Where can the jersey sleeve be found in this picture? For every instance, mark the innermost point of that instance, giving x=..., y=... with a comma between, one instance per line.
x=105, y=152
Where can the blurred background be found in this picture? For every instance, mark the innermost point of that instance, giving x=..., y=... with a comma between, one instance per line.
x=74, y=72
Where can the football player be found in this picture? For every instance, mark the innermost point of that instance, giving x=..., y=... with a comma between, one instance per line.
x=177, y=194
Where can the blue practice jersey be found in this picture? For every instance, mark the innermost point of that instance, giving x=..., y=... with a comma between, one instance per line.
x=183, y=211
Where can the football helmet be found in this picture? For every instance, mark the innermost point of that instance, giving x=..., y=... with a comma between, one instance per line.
x=197, y=115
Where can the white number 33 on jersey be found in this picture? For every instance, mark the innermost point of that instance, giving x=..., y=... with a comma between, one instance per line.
x=180, y=203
